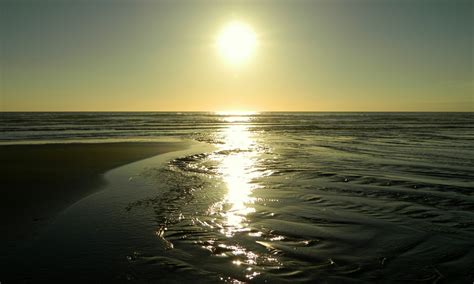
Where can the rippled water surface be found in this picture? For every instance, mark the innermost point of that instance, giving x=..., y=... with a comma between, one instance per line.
x=276, y=197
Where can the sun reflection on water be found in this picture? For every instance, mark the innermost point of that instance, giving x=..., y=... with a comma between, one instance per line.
x=238, y=172
x=238, y=160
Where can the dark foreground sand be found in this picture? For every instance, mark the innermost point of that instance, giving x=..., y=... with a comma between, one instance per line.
x=39, y=181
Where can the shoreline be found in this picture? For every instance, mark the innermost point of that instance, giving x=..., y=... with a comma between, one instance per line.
x=41, y=180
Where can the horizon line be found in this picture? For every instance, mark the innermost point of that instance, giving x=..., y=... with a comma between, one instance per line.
x=236, y=112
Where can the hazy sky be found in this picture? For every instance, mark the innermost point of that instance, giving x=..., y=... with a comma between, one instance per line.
x=339, y=55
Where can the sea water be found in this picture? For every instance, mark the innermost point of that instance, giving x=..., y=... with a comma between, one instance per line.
x=264, y=197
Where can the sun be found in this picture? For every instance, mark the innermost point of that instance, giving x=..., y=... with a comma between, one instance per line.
x=236, y=42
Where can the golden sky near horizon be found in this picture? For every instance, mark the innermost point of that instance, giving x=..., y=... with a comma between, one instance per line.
x=237, y=55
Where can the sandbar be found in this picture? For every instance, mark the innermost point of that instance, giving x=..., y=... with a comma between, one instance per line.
x=39, y=181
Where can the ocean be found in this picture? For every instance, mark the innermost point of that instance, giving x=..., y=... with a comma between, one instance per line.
x=264, y=197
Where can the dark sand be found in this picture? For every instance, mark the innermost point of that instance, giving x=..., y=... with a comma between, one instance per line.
x=39, y=181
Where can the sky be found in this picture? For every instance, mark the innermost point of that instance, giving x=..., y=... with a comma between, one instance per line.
x=328, y=55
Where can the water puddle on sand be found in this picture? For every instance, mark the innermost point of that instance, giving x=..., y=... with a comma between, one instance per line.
x=204, y=219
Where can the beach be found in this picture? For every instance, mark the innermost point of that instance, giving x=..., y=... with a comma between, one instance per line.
x=38, y=181
x=266, y=197
x=237, y=141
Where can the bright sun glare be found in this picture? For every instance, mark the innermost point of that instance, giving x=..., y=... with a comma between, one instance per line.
x=236, y=42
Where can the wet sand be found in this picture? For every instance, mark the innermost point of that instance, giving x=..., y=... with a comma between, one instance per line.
x=39, y=181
